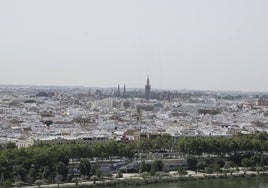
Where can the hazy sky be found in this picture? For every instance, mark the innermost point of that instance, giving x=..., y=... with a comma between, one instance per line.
x=192, y=44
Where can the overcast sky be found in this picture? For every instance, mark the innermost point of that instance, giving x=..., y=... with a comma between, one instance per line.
x=180, y=44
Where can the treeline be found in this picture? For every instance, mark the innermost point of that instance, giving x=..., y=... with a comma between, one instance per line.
x=51, y=162
x=209, y=111
x=223, y=145
x=197, y=145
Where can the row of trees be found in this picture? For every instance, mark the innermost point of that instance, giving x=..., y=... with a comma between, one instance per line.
x=248, y=160
x=50, y=161
x=223, y=145
x=152, y=168
x=217, y=145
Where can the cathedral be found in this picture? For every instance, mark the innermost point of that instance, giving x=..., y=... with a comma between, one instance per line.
x=118, y=94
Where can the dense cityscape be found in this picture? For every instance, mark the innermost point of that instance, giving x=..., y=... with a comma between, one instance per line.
x=30, y=115
x=91, y=134
x=133, y=94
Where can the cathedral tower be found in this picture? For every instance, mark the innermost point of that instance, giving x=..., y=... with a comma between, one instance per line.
x=147, y=89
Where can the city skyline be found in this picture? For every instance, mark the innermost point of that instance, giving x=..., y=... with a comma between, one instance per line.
x=195, y=45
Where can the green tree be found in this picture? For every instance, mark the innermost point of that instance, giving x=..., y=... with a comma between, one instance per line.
x=156, y=166
x=85, y=167
x=246, y=162
x=191, y=162
x=153, y=169
x=2, y=179
x=48, y=122
x=62, y=169
x=45, y=173
x=229, y=164
x=119, y=174
x=32, y=174
x=142, y=167
x=160, y=165
x=182, y=171
x=98, y=172
x=20, y=171
x=216, y=167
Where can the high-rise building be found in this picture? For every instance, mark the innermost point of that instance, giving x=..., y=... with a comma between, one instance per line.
x=147, y=89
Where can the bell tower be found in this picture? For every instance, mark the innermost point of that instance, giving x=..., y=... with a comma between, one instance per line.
x=147, y=89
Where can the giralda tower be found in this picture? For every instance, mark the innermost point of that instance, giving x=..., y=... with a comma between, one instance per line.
x=147, y=89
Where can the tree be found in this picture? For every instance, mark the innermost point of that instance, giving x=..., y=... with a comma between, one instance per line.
x=31, y=175
x=119, y=174
x=85, y=167
x=48, y=122
x=11, y=145
x=7, y=183
x=182, y=171
x=98, y=172
x=61, y=169
x=229, y=164
x=20, y=171
x=246, y=162
x=191, y=162
x=159, y=165
x=142, y=167
x=2, y=179
x=45, y=173
x=216, y=167
x=156, y=166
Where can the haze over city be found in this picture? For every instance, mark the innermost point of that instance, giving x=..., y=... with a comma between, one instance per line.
x=207, y=45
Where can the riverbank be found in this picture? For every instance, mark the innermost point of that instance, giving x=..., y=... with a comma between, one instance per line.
x=140, y=179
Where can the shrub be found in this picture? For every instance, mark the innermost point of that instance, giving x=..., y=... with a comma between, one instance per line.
x=119, y=174
x=145, y=174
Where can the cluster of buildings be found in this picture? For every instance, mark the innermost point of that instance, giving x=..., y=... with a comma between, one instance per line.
x=31, y=115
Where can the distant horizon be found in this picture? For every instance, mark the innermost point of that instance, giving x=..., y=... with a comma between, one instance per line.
x=202, y=45
x=121, y=87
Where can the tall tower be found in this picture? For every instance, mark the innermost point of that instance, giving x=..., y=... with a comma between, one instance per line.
x=118, y=91
x=124, y=91
x=147, y=89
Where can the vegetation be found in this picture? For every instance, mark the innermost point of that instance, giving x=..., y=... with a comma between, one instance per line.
x=210, y=112
x=44, y=163
x=85, y=167
x=48, y=122
x=222, y=145
x=50, y=163
x=182, y=171
x=119, y=174
x=30, y=101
